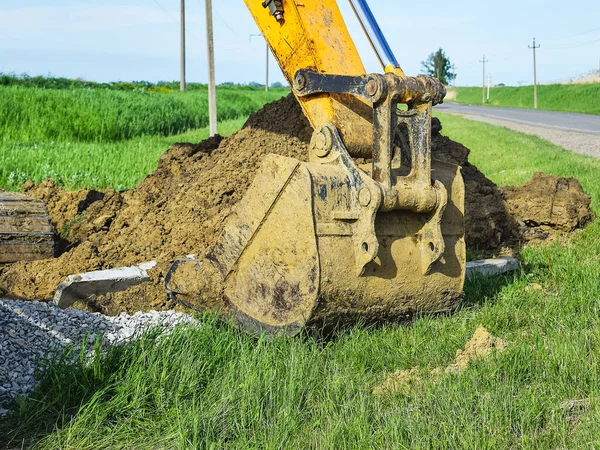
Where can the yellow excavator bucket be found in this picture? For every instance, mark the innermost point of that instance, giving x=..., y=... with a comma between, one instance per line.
x=287, y=258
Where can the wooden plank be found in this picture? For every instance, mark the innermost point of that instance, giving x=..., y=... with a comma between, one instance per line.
x=26, y=231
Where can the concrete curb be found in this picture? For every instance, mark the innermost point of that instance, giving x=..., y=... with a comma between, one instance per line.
x=100, y=282
x=491, y=267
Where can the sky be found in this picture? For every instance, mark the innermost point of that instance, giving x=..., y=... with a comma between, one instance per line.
x=129, y=40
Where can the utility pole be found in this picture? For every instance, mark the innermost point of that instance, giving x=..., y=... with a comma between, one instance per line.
x=212, y=91
x=534, y=75
x=483, y=83
x=454, y=75
x=182, y=63
x=266, y=62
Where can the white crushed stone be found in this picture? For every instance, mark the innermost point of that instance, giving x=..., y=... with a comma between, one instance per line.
x=31, y=331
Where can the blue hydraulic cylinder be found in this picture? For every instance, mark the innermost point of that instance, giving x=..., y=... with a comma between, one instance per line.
x=376, y=38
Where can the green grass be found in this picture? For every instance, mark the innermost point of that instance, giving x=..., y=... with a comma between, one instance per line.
x=80, y=133
x=119, y=165
x=581, y=98
x=508, y=157
x=33, y=115
x=51, y=82
x=217, y=388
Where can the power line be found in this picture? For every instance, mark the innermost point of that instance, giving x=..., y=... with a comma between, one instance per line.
x=163, y=8
x=229, y=27
x=175, y=19
x=582, y=33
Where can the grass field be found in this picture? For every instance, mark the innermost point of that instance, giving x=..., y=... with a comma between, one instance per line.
x=80, y=135
x=120, y=165
x=582, y=98
x=215, y=387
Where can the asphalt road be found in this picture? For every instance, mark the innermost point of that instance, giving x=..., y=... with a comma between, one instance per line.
x=581, y=123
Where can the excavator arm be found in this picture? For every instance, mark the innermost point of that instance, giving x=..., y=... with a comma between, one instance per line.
x=312, y=35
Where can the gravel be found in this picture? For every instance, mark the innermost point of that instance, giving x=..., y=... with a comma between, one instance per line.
x=31, y=331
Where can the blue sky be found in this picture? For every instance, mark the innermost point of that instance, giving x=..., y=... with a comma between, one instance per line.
x=139, y=39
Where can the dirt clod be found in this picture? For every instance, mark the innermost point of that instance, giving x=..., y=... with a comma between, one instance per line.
x=401, y=381
x=548, y=204
x=481, y=345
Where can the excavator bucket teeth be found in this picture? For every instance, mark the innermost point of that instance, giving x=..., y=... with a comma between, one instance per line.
x=286, y=257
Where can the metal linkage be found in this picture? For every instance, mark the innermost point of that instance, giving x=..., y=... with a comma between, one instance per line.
x=413, y=192
x=372, y=88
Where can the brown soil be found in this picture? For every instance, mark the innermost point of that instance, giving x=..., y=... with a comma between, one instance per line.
x=180, y=208
x=481, y=345
x=489, y=226
x=547, y=204
x=177, y=210
x=400, y=381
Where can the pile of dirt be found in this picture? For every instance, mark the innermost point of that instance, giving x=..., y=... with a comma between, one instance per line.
x=489, y=227
x=180, y=209
x=499, y=219
x=177, y=210
x=547, y=204
x=481, y=345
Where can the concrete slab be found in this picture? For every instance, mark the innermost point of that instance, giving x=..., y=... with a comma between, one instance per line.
x=100, y=282
x=490, y=267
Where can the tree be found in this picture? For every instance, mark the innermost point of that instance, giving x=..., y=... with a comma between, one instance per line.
x=438, y=65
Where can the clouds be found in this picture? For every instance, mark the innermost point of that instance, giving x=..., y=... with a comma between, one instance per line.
x=138, y=39
x=83, y=18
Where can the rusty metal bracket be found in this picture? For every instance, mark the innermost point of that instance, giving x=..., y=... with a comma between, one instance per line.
x=372, y=87
x=432, y=240
x=358, y=204
x=413, y=192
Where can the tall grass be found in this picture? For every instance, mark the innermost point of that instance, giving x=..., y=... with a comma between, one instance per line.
x=50, y=82
x=32, y=115
x=581, y=98
x=93, y=135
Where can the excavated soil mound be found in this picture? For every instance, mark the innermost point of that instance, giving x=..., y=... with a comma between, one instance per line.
x=180, y=208
x=177, y=210
x=547, y=204
x=489, y=226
